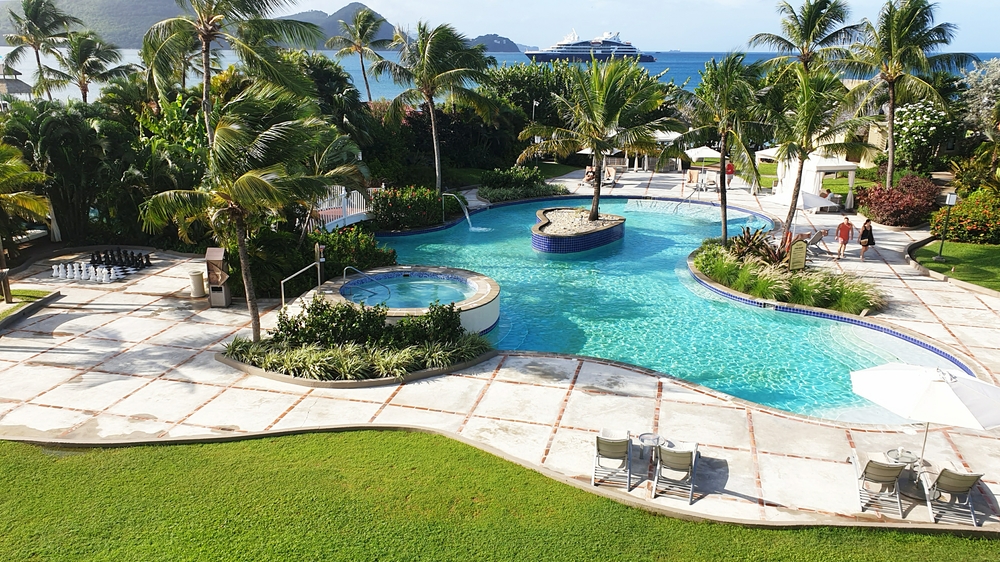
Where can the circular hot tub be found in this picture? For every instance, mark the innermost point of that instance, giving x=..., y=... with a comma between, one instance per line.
x=410, y=290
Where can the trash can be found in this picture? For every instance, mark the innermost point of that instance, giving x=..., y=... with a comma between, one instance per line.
x=197, y=284
x=218, y=290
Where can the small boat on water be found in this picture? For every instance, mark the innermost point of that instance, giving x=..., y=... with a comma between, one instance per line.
x=601, y=48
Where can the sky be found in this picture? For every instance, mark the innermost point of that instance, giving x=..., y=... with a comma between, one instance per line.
x=660, y=25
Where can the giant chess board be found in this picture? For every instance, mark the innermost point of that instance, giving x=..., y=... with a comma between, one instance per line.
x=104, y=267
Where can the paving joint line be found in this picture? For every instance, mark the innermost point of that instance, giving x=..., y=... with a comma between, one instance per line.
x=562, y=410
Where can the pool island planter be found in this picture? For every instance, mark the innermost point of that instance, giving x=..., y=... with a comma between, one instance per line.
x=480, y=312
x=585, y=239
x=356, y=383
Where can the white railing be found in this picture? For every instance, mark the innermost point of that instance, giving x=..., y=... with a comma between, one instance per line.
x=339, y=208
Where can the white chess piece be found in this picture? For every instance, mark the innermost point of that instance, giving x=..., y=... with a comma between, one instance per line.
x=62, y=271
x=112, y=276
x=85, y=272
x=104, y=275
x=71, y=271
x=55, y=270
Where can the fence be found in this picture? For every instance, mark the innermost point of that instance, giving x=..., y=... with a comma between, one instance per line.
x=339, y=209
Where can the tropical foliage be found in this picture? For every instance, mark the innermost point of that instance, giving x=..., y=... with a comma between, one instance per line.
x=974, y=219
x=40, y=26
x=412, y=207
x=359, y=39
x=908, y=204
x=921, y=129
x=518, y=182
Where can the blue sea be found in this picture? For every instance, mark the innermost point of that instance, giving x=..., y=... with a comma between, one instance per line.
x=681, y=67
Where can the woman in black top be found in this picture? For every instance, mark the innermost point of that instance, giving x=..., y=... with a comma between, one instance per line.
x=866, y=238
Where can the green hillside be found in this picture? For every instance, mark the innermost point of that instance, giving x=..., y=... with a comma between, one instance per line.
x=122, y=22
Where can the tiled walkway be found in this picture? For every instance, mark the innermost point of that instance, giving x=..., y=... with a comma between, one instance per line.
x=134, y=361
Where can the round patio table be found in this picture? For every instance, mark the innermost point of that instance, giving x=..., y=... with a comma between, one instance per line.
x=648, y=440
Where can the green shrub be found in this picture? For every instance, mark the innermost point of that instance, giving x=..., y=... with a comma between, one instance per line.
x=322, y=322
x=411, y=207
x=907, y=203
x=517, y=183
x=975, y=219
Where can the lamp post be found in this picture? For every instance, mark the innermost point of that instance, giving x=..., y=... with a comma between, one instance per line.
x=534, y=104
x=950, y=201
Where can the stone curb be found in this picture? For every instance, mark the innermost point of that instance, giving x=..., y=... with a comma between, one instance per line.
x=972, y=365
x=609, y=493
x=361, y=383
x=897, y=228
x=29, y=310
x=913, y=247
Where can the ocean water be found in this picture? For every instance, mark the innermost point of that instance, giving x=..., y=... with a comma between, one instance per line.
x=681, y=68
x=635, y=301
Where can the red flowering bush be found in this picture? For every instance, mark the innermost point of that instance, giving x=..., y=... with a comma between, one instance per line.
x=974, y=219
x=410, y=207
x=908, y=203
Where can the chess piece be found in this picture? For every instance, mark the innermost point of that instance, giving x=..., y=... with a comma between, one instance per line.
x=62, y=271
x=112, y=276
x=148, y=263
x=85, y=271
x=55, y=270
x=71, y=271
x=106, y=259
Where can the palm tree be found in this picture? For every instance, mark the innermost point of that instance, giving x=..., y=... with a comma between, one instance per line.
x=725, y=105
x=40, y=26
x=261, y=136
x=610, y=105
x=15, y=175
x=892, y=55
x=359, y=37
x=815, y=33
x=435, y=63
x=87, y=59
x=243, y=25
x=813, y=120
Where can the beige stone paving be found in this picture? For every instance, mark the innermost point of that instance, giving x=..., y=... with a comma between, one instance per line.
x=134, y=361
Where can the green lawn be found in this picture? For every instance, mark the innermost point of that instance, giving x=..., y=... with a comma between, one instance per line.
x=367, y=496
x=769, y=173
x=554, y=170
x=473, y=176
x=974, y=263
x=22, y=298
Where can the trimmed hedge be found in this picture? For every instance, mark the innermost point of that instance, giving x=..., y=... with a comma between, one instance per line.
x=411, y=207
x=974, y=219
x=518, y=182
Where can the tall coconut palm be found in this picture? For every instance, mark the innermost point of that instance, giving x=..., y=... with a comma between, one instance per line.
x=815, y=33
x=40, y=26
x=87, y=58
x=814, y=121
x=724, y=105
x=359, y=38
x=15, y=201
x=435, y=63
x=894, y=52
x=243, y=25
x=261, y=136
x=611, y=105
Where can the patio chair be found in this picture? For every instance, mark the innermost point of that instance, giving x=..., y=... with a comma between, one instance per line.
x=613, y=445
x=942, y=480
x=675, y=468
x=812, y=244
x=876, y=468
x=712, y=180
x=691, y=178
x=611, y=174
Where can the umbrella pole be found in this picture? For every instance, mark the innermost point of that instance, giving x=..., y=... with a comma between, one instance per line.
x=920, y=462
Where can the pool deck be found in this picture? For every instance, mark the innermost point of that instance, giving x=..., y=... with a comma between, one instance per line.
x=132, y=362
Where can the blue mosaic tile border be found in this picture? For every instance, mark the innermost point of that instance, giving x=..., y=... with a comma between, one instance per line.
x=571, y=244
x=490, y=329
x=839, y=318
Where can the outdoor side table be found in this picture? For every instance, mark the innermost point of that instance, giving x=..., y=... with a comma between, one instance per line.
x=910, y=487
x=648, y=440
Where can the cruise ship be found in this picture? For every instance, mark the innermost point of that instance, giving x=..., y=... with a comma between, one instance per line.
x=602, y=48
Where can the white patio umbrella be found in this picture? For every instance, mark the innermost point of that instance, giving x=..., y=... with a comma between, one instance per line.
x=702, y=153
x=930, y=395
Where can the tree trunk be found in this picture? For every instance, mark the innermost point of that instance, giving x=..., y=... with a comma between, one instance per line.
x=83, y=91
x=365, y=76
x=595, y=205
x=437, y=149
x=241, y=243
x=206, y=91
x=890, y=121
x=5, y=284
x=795, y=200
x=38, y=59
x=722, y=189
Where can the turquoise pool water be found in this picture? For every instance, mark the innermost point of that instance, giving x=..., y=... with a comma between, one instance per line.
x=409, y=292
x=635, y=301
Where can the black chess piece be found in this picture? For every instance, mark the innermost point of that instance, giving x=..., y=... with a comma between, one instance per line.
x=148, y=263
x=107, y=257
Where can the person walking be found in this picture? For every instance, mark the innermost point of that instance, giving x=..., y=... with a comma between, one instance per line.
x=730, y=172
x=845, y=233
x=866, y=238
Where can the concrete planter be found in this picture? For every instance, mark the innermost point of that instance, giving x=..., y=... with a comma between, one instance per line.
x=571, y=243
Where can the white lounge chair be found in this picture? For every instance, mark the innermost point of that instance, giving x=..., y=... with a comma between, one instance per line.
x=879, y=470
x=676, y=466
x=613, y=445
x=940, y=480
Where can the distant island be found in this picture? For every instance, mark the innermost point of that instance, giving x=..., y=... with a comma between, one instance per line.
x=124, y=22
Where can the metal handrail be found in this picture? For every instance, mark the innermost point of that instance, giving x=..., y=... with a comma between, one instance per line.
x=319, y=278
x=363, y=274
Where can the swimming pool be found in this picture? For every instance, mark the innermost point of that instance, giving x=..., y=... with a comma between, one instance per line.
x=635, y=301
x=405, y=291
